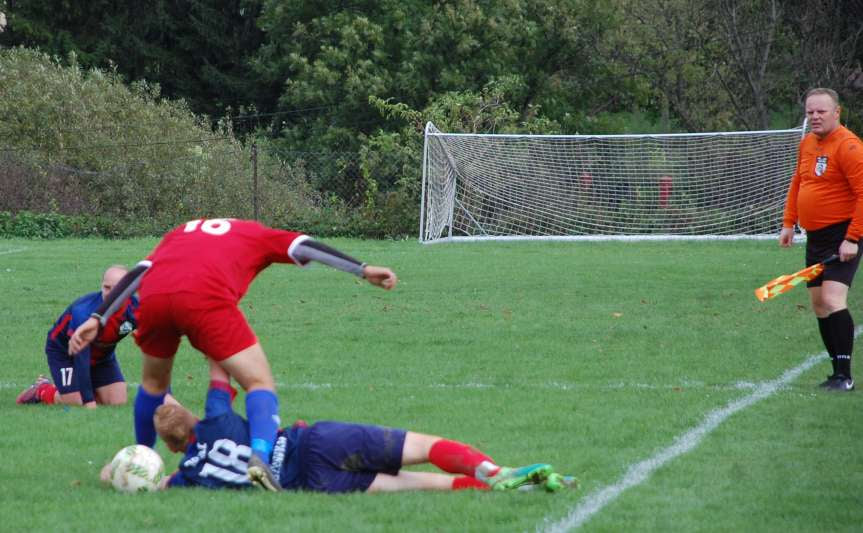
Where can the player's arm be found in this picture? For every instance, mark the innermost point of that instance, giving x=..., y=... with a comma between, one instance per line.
x=306, y=250
x=174, y=480
x=105, y=473
x=81, y=368
x=128, y=284
x=81, y=363
x=789, y=215
x=121, y=292
x=851, y=161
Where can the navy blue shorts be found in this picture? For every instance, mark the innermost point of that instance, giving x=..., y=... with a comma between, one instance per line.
x=340, y=457
x=104, y=372
x=824, y=242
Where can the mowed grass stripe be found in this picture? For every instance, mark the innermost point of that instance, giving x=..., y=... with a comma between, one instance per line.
x=12, y=251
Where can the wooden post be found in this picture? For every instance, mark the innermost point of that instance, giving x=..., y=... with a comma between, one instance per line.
x=255, y=206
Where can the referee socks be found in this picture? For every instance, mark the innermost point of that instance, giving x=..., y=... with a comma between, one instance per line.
x=826, y=337
x=840, y=328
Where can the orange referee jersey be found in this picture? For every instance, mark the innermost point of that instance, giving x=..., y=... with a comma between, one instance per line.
x=827, y=186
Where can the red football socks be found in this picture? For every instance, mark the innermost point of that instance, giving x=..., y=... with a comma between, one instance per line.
x=467, y=482
x=456, y=457
x=45, y=393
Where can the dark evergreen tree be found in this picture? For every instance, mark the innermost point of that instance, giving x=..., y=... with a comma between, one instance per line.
x=197, y=50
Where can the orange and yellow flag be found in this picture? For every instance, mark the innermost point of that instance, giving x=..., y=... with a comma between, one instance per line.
x=787, y=282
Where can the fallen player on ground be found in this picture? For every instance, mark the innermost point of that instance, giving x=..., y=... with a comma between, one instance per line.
x=330, y=456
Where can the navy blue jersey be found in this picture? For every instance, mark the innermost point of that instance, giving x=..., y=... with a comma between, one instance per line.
x=74, y=373
x=219, y=457
x=118, y=326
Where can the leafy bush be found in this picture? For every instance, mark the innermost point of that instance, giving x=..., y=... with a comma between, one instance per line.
x=85, y=154
x=84, y=143
x=30, y=225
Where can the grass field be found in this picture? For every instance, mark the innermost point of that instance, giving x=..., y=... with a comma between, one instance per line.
x=601, y=358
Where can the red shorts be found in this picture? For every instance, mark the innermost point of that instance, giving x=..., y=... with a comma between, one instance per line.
x=215, y=327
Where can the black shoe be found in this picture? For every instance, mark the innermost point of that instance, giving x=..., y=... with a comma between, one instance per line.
x=261, y=476
x=826, y=383
x=838, y=382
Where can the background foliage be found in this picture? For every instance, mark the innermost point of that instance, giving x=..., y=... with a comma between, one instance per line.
x=172, y=96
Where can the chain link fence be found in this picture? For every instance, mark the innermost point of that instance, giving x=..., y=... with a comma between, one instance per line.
x=326, y=194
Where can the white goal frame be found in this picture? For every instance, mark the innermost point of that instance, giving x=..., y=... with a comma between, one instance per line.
x=564, y=187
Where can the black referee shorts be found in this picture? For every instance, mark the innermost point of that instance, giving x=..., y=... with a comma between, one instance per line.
x=824, y=242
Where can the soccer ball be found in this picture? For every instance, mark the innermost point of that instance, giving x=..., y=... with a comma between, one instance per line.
x=137, y=468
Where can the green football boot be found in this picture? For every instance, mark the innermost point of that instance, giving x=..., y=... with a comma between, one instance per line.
x=556, y=482
x=553, y=483
x=513, y=478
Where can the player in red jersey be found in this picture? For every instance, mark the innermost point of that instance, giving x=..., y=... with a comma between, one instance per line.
x=191, y=285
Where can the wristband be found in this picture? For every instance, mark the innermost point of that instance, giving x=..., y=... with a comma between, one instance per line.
x=363, y=270
x=97, y=316
x=852, y=241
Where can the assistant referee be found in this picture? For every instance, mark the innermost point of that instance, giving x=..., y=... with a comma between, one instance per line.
x=826, y=199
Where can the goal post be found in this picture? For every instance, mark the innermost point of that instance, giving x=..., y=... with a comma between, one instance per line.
x=665, y=186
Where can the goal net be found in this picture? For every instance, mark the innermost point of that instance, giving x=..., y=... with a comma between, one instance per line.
x=710, y=185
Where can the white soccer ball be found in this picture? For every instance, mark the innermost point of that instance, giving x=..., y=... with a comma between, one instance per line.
x=137, y=468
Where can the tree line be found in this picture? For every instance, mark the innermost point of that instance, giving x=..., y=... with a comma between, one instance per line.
x=304, y=71
x=363, y=76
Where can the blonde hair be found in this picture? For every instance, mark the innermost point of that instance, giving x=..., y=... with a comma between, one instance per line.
x=175, y=424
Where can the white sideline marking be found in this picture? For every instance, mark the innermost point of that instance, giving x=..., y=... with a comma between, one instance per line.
x=12, y=251
x=309, y=386
x=639, y=472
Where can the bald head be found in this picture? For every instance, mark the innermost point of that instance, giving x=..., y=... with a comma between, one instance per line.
x=112, y=275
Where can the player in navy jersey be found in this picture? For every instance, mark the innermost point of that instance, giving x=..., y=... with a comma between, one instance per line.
x=93, y=376
x=191, y=284
x=328, y=456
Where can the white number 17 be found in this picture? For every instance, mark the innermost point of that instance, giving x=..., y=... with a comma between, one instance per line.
x=66, y=375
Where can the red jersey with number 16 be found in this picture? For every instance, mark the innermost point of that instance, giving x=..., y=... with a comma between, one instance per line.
x=216, y=258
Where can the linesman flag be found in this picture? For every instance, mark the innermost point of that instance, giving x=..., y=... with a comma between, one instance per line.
x=787, y=282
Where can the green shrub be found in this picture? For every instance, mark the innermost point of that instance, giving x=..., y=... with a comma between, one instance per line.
x=30, y=225
x=89, y=155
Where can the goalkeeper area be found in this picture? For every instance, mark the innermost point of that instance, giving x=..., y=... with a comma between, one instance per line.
x=562, y=187
x=647, y=369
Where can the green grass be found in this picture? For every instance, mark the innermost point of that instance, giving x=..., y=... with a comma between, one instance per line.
x=591, y=356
